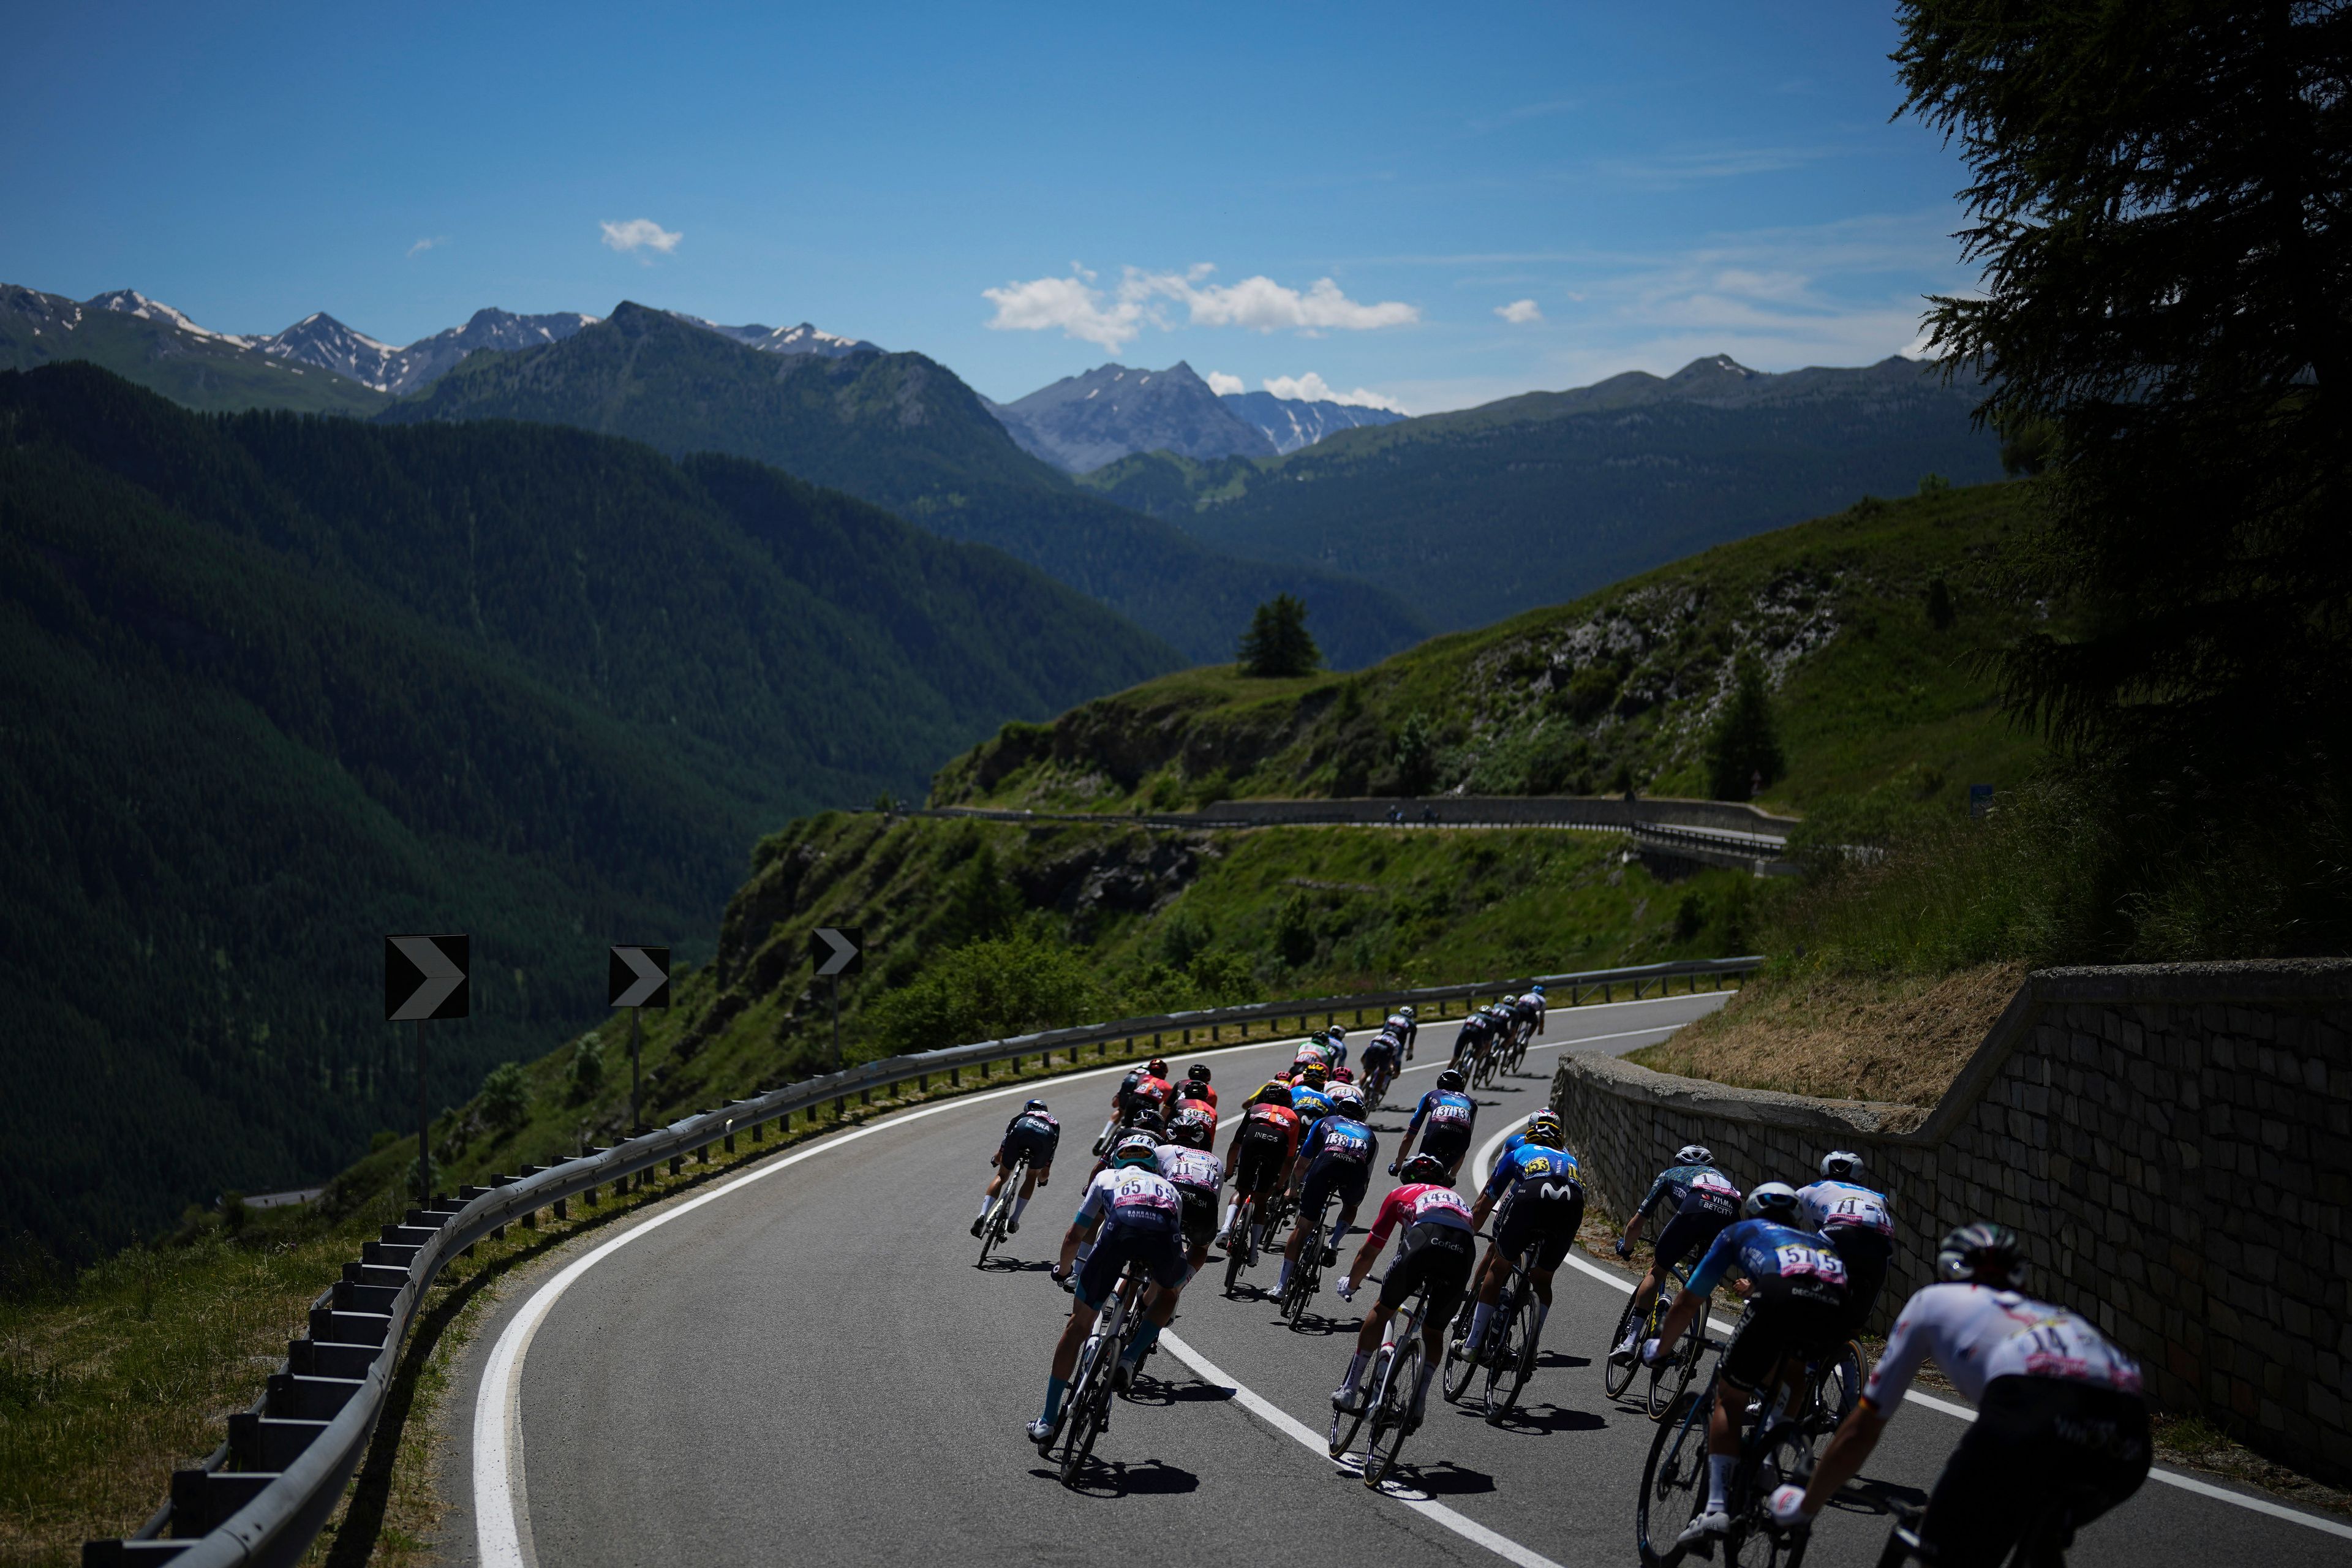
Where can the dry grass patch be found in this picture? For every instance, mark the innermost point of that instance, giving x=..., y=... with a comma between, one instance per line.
x=1898, y=1040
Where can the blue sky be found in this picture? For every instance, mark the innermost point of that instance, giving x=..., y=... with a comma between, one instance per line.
x=1438, y=205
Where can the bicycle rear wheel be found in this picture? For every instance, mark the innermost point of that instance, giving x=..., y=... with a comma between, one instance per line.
x=1392, y=1423
x=1460, y=1362
x=1515, y=1363
x=1237, y=1245
x=1673, y=1485
x=1616, y=1378
x=1089, y=1404
x=1672, y=1375
x=1842, y=1381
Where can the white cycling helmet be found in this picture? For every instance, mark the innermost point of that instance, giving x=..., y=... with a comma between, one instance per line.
x=1774, y=1201
x=1841, y=1165
x=1694, y=1154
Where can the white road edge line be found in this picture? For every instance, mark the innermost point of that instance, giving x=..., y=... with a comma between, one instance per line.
x=2169, y=1478
x=1437, y=1512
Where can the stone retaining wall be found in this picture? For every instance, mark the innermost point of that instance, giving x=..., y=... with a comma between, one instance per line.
x=2175, y=1142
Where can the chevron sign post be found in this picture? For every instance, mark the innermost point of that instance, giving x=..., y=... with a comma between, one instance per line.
x=836, y=951
x=425, y=978
x=637, y=977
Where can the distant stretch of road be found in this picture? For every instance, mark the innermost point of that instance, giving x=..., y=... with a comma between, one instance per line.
x=802, y=1364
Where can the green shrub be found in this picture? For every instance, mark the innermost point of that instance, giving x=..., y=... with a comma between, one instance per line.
x=988, y=990
x=506, y=1097
x=587, y=1069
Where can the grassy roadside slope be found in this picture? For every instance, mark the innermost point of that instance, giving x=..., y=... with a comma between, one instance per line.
x=1613, y=689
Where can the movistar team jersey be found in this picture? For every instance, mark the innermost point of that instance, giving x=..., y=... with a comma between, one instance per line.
x=1447, y=1112
x=1780, y=1260
x=1675, y=1184
x=1342, y=1138
x=1522, y=1162
x=1308, y=1102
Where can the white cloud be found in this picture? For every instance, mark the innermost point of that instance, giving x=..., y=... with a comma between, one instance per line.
x=1519, y=312
x=422, y=246
x=1081, y=310
x=1313, y=388
x=1225, y=385
x=641, y=233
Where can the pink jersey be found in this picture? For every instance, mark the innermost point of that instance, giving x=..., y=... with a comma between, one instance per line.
x=1419, y=1203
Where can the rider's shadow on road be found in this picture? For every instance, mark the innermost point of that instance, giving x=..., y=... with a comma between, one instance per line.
x=1543, y=1419
x=1117, y=1478
x=1561, y=1358
x=1446, y=1478
x=1002, y=1265
x=1157, y=1390
x=1884, y=1499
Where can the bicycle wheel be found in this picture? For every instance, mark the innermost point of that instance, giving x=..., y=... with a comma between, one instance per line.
x=1616, y=1378
x=1842, y=1383
x=1089, y=1404
x=1346, y=1424
x=1238, y=1246
x=1755, y=1542
x=1393, y=1421
x=1672, y=1375
x=1515, y=1363
x=1460, y=1362
x=1673, y=1485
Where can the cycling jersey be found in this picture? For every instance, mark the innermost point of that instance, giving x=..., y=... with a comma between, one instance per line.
x=1033, y=1132
x=1141, y=1094
x=1977, y=1333
x=1382, y=1051
x=1530, y=1005
x=1402, y=1027
x=1192, y=1113
x=1522, y=1162
x=1675, y=1185
x=1341, y=1138
x=1542, y=1203
x=1313, y=1053
x=1276, y=1120
x=1193, y=1089
x=1132, y=1196
x=1190, y=1167
x=1310, y=1103
x=1846, y=1211
x=1781, y=1261
x=1419, y=1203
x=1451, y=1115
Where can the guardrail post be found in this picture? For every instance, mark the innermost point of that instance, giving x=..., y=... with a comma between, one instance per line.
x=562, y=1209
x=955, y=1078
x=759, y=1133
x=840, y=1107
x=677, y=1164
x=730, y=1142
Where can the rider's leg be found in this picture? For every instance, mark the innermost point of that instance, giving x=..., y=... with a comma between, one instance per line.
x=1065, y=1359
x=1028, y=1188
x=1723, y=1444
x=1368, y=1340
x=1488, y=1290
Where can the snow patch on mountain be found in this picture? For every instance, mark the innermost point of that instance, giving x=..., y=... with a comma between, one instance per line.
x=131, y=302
x=1290, y=423
x=804, y=338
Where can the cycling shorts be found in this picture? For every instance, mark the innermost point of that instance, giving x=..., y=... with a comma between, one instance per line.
x=1776, y=1328
x=1159, y=1249
x=1551, y=1223
x=1199, y=1214
x=1257, y=1166
x=1379, y=1057
x=1344, y=1179
x=1023, y=1143
x=1437, y=1254
x=2035, y=1441
x=1866, y=1254
x=1447, y=1143
x=1689, y=1233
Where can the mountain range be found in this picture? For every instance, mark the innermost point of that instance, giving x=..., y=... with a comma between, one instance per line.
x=274, y=687
x=904, y=432
x=1539, y=499
x=1084, y=422
x=1291, y=422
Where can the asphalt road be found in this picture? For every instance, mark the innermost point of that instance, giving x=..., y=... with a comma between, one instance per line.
x=805, y=1364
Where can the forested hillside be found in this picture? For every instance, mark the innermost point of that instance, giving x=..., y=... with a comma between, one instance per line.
x=274, y=687
x=1863, y=628
x=901, y=431
x=1543, y=497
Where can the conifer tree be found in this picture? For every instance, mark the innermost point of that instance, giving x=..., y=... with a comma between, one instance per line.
x=1277, y=642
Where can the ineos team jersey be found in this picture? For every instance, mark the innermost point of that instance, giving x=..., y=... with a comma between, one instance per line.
x=1977, y=1333
x=1195, y=1168
x=1132, y=1195
x=1844, y=1206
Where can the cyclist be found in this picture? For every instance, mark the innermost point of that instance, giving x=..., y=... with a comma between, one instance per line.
x=1450, y=1117
x=1192, y=1113
x=2059, y=1412
x=1146, y=1124
x=1335, y=1161
x=1856, y=1220
x=1702, y=1201
x=1540, y=1189
x=1143, y=1089
x=1382, y=1056
x=1307, y=1097
x=1527, y=1012
x=1404, y=1024
x=1796, y=1311
x=1186, y=1160
x=1035, y=1134
x=1196, y=1086
x=1471, y=1038
x=1259, y=1156
x=1130, y=1212
x=1436, y=1250
x=1335, y=1042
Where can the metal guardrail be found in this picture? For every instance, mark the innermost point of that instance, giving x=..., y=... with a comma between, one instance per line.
x=262, y=1496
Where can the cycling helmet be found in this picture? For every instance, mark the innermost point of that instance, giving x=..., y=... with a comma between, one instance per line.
x=1313, y=1076
x=1336, y=1034
x=1774, y=1201
x=1546, y=1132
x=1983, y=1254
x=1536, y=990
x=1347, y=1101
x=1544, y=1122
x=1156, y=1067
x=1274, y=1092
x=1035, y=1105
x=1343, y=1075
x=1841, y=1165
x=1147, y=1121
x=1694, y=1154
x=1424, y=1168
x=1133, y=1151
x=1198, y=1072
x=1407, y=1014
x=1450, y=1081
x=1192, y=1131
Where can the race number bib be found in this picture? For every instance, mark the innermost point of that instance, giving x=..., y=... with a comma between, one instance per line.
x=1795, y=1259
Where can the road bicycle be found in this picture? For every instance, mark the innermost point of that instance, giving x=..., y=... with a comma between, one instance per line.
x=1777, y=1447
x=1086, y=1409
x=999, y=1219
x=1394, y=1374
x=1672, y=1373
x=1308, y=1274
x=2044, y=1544
x=1506, y=1350
x=1375, y=1087
x=1241, y=1244
x=1523, y=1033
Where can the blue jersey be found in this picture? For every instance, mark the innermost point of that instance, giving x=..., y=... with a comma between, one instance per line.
x=1446, y=1109
x=1519, y=1140
x=1523, y=1161
x=1781, y=1260
x=1676, y=1184
x=1036, y=1130
x=1340, y=1139
x=1310, y=1103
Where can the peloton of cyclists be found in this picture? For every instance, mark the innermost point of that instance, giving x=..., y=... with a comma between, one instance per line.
x=1035, y=1134
x=1436, y=1249
x=1541, y=1190
x=1335, y=1161
x=1446, y=1118
x=1702, y=1201
x=2060, y=1418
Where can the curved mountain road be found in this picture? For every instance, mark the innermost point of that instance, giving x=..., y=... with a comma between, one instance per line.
x=803, y=1362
